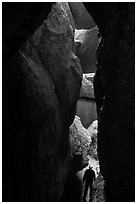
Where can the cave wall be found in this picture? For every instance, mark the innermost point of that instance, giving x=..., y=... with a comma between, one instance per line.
x=114, y=87
x=41, y=83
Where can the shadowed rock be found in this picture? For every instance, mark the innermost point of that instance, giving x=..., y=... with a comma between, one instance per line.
x=86, y=44
x=41, y=89
x=115, y=78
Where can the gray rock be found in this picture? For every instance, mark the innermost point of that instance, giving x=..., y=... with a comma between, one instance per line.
x=80, y=138
x=93, y=129
x=86, y=44
x=66, y=7
x=87, y=89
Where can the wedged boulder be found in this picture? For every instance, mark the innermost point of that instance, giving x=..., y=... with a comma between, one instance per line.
x=80, y=139
x=41, y=89
x=86, y=44
x=83, y=20
x=87, y=89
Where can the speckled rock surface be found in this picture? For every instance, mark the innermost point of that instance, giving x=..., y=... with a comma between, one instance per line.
x=87, y=89
x=93, y=129
x=80, y=138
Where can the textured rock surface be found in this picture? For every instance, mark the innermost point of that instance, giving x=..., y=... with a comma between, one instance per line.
x=86, y=44
x=83, y=20
x=98, y=195
x=66, y=7
x=80, y=138
x=116, y=74
x=82, y=146
x=93, y=145
x=87, y=89
x=41, y=87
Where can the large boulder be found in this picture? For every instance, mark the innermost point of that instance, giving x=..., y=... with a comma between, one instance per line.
x=41, y=87
x=86, y=44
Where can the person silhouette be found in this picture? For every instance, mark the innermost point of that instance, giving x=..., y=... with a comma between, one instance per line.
x=88, y=179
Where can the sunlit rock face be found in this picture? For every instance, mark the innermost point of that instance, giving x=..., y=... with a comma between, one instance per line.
x=87, y=89
x=80, y=139
x=42, y=88
x=115, y=83
x=86, y=105
x=98, y=185
x=93, y=145
x=83, y=20
x=86, y=44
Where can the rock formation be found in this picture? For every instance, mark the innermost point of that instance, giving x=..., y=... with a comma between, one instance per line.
x=87, y=89
x=116, y=77
x=80, y=139
x=93, y=145
x=98, y=186
x=41, y=87
x=86, y=44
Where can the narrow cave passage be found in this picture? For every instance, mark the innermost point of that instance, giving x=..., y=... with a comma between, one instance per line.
x=83, y=131
x=68, y=101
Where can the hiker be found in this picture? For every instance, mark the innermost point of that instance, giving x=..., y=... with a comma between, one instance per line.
x=88, y=178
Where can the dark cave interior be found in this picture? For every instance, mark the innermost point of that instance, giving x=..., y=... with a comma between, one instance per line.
x=61, y=62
